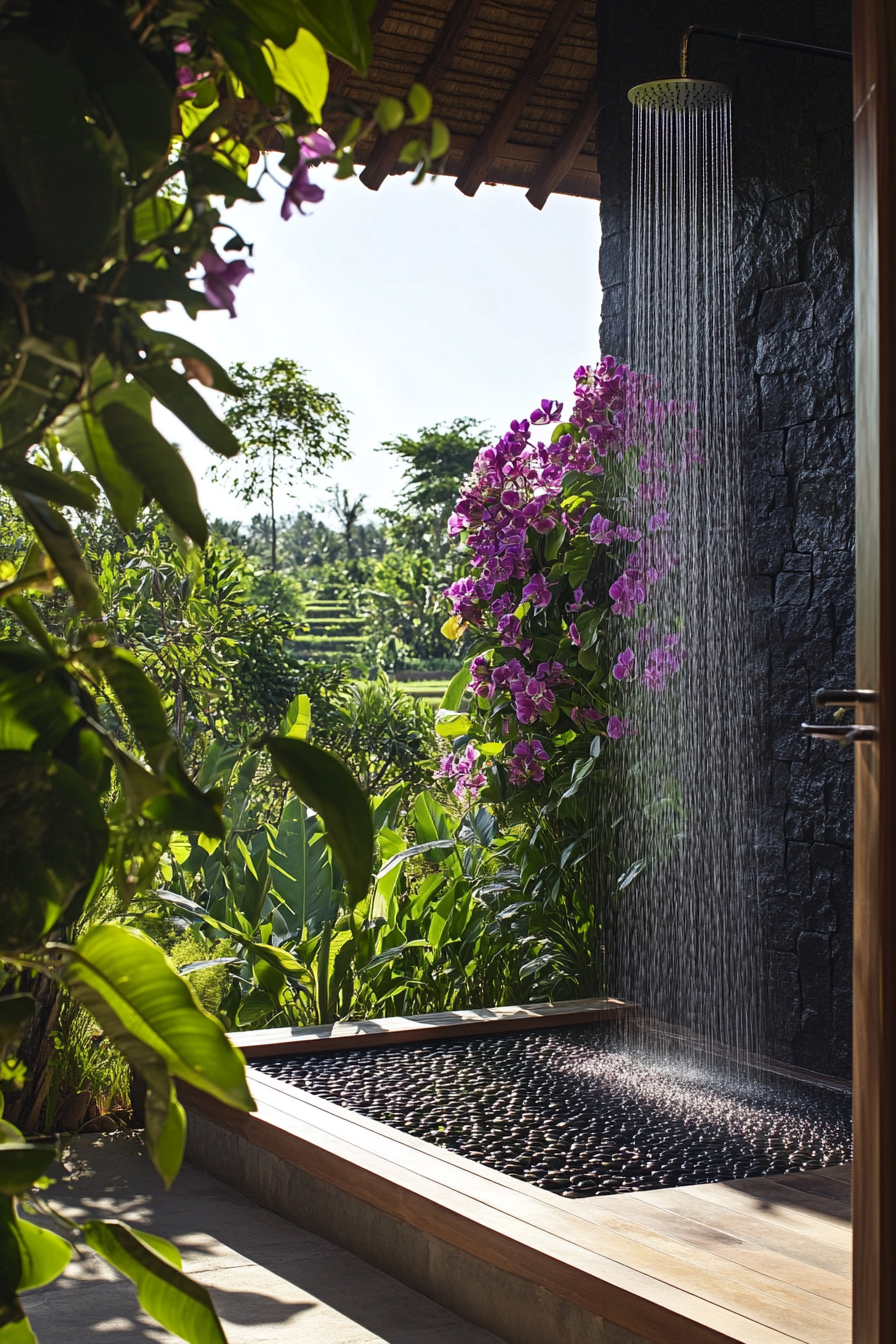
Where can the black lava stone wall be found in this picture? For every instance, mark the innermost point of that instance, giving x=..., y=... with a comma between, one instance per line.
x=792, y=126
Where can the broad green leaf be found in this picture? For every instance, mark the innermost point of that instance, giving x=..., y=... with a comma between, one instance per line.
x=10, y=1267
x=440, y=921
x=324, y=783
x=420, y=103
x=22, y=1163
x=450, y=723
x=16, y=474
x=139, y=699
x=297, y=720
x=127, y=85
x=17, y=1330
x=51, y=153
x=440, y=140
x=166, y=1124
x=277, y=957
x=457, y=687
x=301, y=70
x=429, y=818
x=342, y=28
x=83, y=434
x=173, y=391
x=277, y=19
x=491, y=748
x=175, y=347
x=36, y=706
x=411, y=853
x=60, y=543
x=44, y=1254
x=389, y=114
x=147, y=283
x=163, y=1290
x=143, y=1005
x=54, y=840
x=158, y=215
x=244, y=59
x=209, y=176
x=161, y=469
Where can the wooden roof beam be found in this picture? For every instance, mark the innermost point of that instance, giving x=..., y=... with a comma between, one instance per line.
x=385, y=152
x=497, y=132
x=566, y=150
x=339, y=71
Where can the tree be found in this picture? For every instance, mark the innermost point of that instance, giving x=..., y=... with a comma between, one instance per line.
x=347, y=513
x=288, y=431
x=435, y=464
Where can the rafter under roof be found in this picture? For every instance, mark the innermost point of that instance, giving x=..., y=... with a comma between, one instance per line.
x=514, y=81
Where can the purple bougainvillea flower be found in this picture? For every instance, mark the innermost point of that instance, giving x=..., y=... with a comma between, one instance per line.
x=617, y=727
x=319, y=144
x=301, y=190
x=627, y=594
x=221, y=279
x=584, y=717
x=574, y=636
x=185, y=75
x=624, y=665
x=537, y=592
x=658, y=520
x=183, y=48
x=547, y=412
x=628, y=534
x=601, y=531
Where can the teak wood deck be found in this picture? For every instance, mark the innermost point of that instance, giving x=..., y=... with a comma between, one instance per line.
x=758, y=1261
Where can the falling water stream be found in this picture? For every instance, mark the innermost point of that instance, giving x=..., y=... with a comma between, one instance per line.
x=686, y=944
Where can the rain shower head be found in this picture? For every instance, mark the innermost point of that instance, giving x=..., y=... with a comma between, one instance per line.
x=679, y=95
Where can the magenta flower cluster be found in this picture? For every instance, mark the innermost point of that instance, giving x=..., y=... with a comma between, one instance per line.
x=516, y=595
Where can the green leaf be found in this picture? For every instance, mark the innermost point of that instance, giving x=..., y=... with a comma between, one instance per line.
x=163, y=1290
x=17, y=474
x=324, y=783
x=243, y=57
x=412, y=852
x=166, y=1124
x=36, y=704
x=450, y=723
x=54, y=840
x=44, y=1254
x=342, y=28
x=146, y=283
x=59, y=541
x=21, y=1164
x=83, y=434
x=15, y=1011
x=440, y=140
x=51, y=153
x=139, y=699
x=207, y=176
x=389, y=114
x=277, y=19
x=457, y=686
x=144, y=1006
x=10, y=1268
x=297, y=719
x=16, y=1329
x=175, y=347
x=160, y=468
x=420, y=103
x=125, y=83
x=301, y=70
x=173, y=391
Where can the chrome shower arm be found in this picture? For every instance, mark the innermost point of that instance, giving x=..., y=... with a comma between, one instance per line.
x=697, y=29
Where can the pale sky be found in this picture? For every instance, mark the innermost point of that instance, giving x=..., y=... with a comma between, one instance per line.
x=414, y=305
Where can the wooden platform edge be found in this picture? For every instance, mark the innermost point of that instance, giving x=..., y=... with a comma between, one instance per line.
x=426, y=1026
x=416, y=1204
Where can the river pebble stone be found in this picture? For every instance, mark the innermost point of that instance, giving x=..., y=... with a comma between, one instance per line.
x=581, y=1112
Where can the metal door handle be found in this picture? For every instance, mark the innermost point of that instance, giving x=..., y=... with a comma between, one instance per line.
x=840, y=732
x=833, y=697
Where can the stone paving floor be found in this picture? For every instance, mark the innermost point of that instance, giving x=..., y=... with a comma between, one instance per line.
x=270, y=1281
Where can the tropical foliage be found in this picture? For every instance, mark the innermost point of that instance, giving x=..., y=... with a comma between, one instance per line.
x=123, y=127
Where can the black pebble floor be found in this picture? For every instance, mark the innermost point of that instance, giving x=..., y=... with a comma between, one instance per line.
x=576, y=1112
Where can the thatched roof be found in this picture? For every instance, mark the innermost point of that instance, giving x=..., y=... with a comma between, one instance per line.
x=514, y=80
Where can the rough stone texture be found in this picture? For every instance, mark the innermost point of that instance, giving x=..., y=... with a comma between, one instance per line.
x=792, y=119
